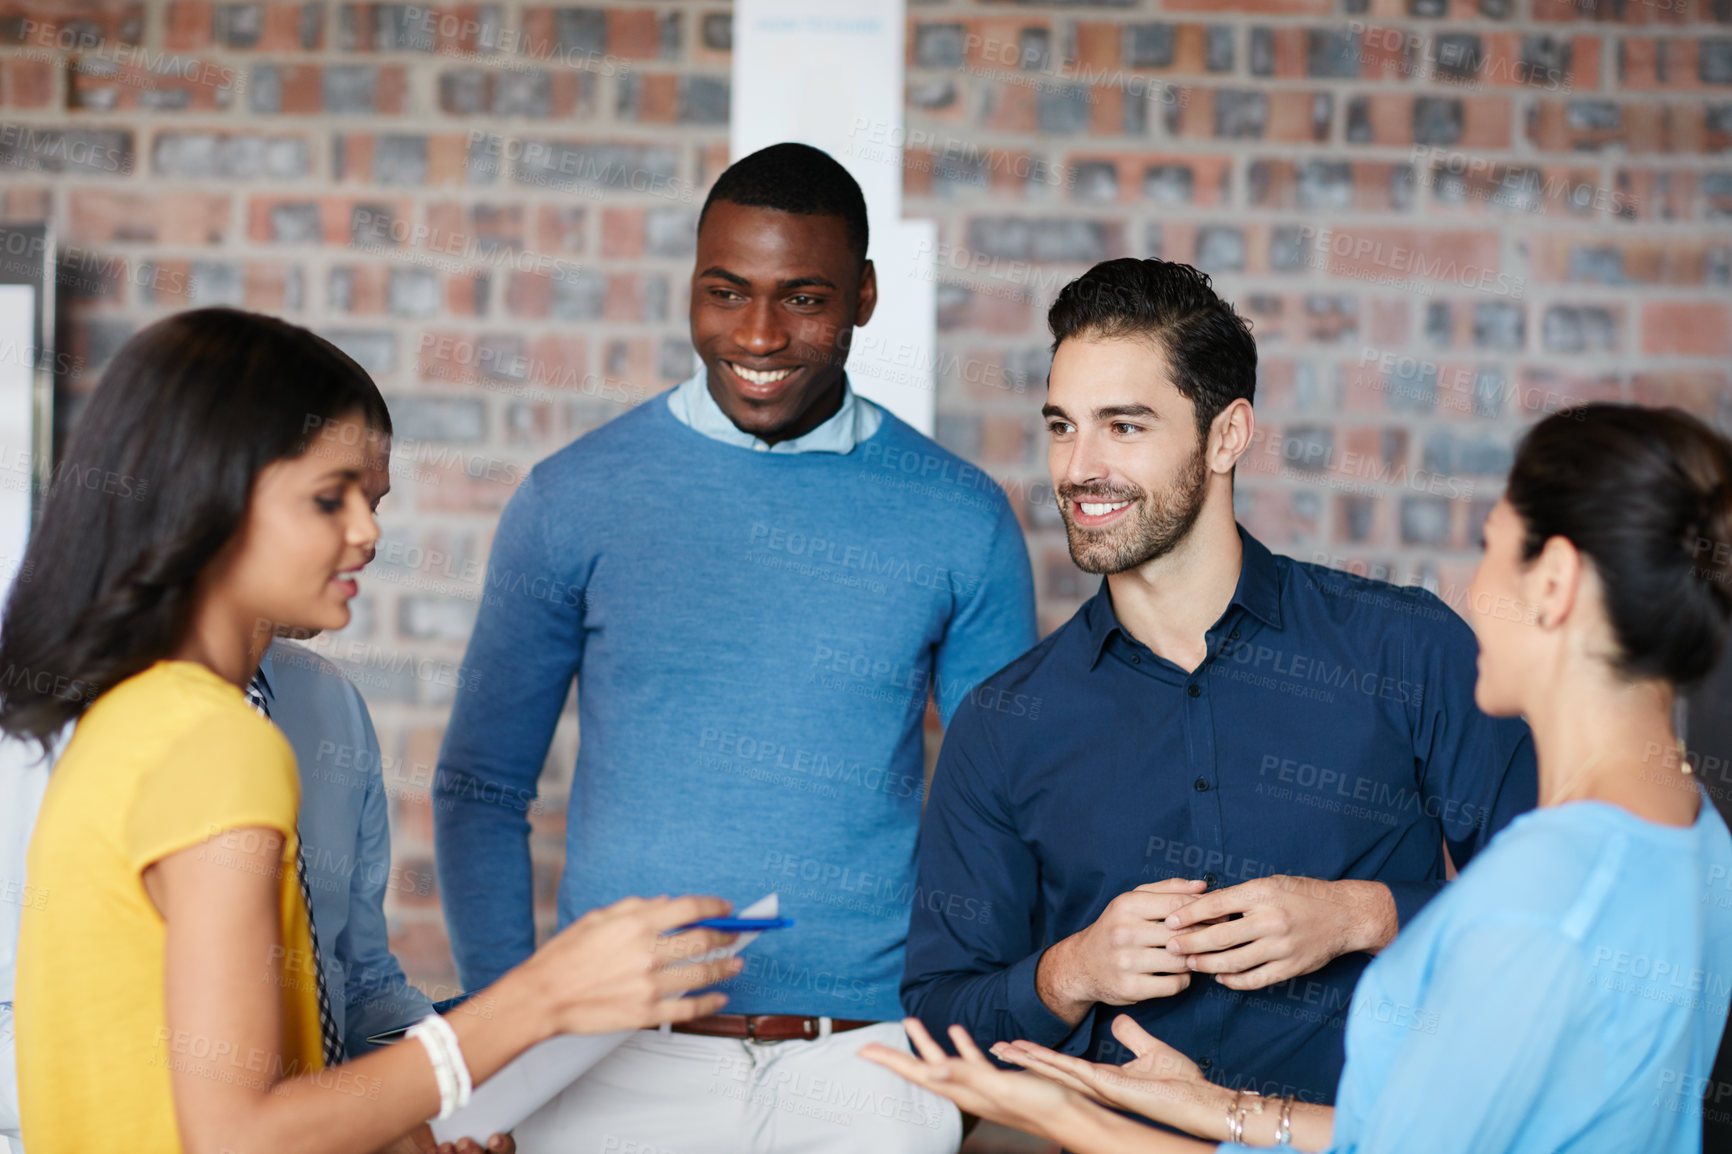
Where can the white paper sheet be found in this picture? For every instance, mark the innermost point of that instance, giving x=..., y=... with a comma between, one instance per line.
x=531, y=1080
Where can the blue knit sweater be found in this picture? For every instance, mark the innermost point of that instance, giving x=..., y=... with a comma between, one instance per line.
x=754, y=638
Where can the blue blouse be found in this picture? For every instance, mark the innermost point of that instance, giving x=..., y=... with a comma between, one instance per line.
x=1565, y=993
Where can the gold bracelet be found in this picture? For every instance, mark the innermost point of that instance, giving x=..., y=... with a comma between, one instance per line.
x=1236, y=1114
x=1284, y=1131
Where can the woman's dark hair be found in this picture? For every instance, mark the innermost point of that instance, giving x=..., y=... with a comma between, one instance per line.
x=1646, y=495
x=155, y=479
x=1207, y=343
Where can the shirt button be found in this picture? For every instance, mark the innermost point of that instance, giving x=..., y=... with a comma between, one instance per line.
x=1135, y=660
x=1205, y=1064
x=1200, y=785
x=1233, y=636
x=1210, y=880
x=1195, y=691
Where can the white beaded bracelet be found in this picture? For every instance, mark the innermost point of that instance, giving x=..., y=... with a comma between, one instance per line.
x=449, y=1068
x=442, y=1072
x=464, y=1085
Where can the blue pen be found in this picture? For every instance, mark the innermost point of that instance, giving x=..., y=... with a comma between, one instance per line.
x=736, y=925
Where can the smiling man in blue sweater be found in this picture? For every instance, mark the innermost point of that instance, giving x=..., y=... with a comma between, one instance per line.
x=757, y=579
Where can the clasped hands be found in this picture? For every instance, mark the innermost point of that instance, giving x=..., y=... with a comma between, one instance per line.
x=1149, y=941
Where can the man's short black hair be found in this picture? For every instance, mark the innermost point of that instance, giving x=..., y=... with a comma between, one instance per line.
x=795, y=178
x=1207, y=343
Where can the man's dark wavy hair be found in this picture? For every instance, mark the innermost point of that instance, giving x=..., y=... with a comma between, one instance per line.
x=1207, y=344
x=155, y=480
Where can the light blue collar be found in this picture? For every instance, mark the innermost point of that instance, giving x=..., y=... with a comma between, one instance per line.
x=857, y=419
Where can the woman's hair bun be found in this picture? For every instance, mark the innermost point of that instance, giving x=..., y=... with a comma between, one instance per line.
x=1646, y=495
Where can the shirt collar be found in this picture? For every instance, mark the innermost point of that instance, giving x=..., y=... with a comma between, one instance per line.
x=857, y=419
x=264, y=678
x=1258, y=593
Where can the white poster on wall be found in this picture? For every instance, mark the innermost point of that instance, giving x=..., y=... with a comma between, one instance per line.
x=831, y=75
x=17, y=400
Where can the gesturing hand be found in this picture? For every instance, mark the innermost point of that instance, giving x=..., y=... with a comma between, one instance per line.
x=617, y=968
x=1287, y=926
x=1036, y=1105
x=1159, y=1083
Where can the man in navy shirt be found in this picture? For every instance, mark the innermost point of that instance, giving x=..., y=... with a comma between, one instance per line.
x=1217, y=790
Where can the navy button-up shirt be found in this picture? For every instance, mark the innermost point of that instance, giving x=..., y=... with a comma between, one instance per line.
x=1330, y=733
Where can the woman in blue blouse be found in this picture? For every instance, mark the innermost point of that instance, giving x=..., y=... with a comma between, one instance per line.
x=1567, y=991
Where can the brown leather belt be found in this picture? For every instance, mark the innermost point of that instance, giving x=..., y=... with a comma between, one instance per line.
x=766, y=1027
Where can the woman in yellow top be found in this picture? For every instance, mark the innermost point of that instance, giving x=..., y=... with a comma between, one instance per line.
x=167, y=994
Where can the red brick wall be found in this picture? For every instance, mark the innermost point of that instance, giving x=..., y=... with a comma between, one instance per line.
x=1443, y=216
